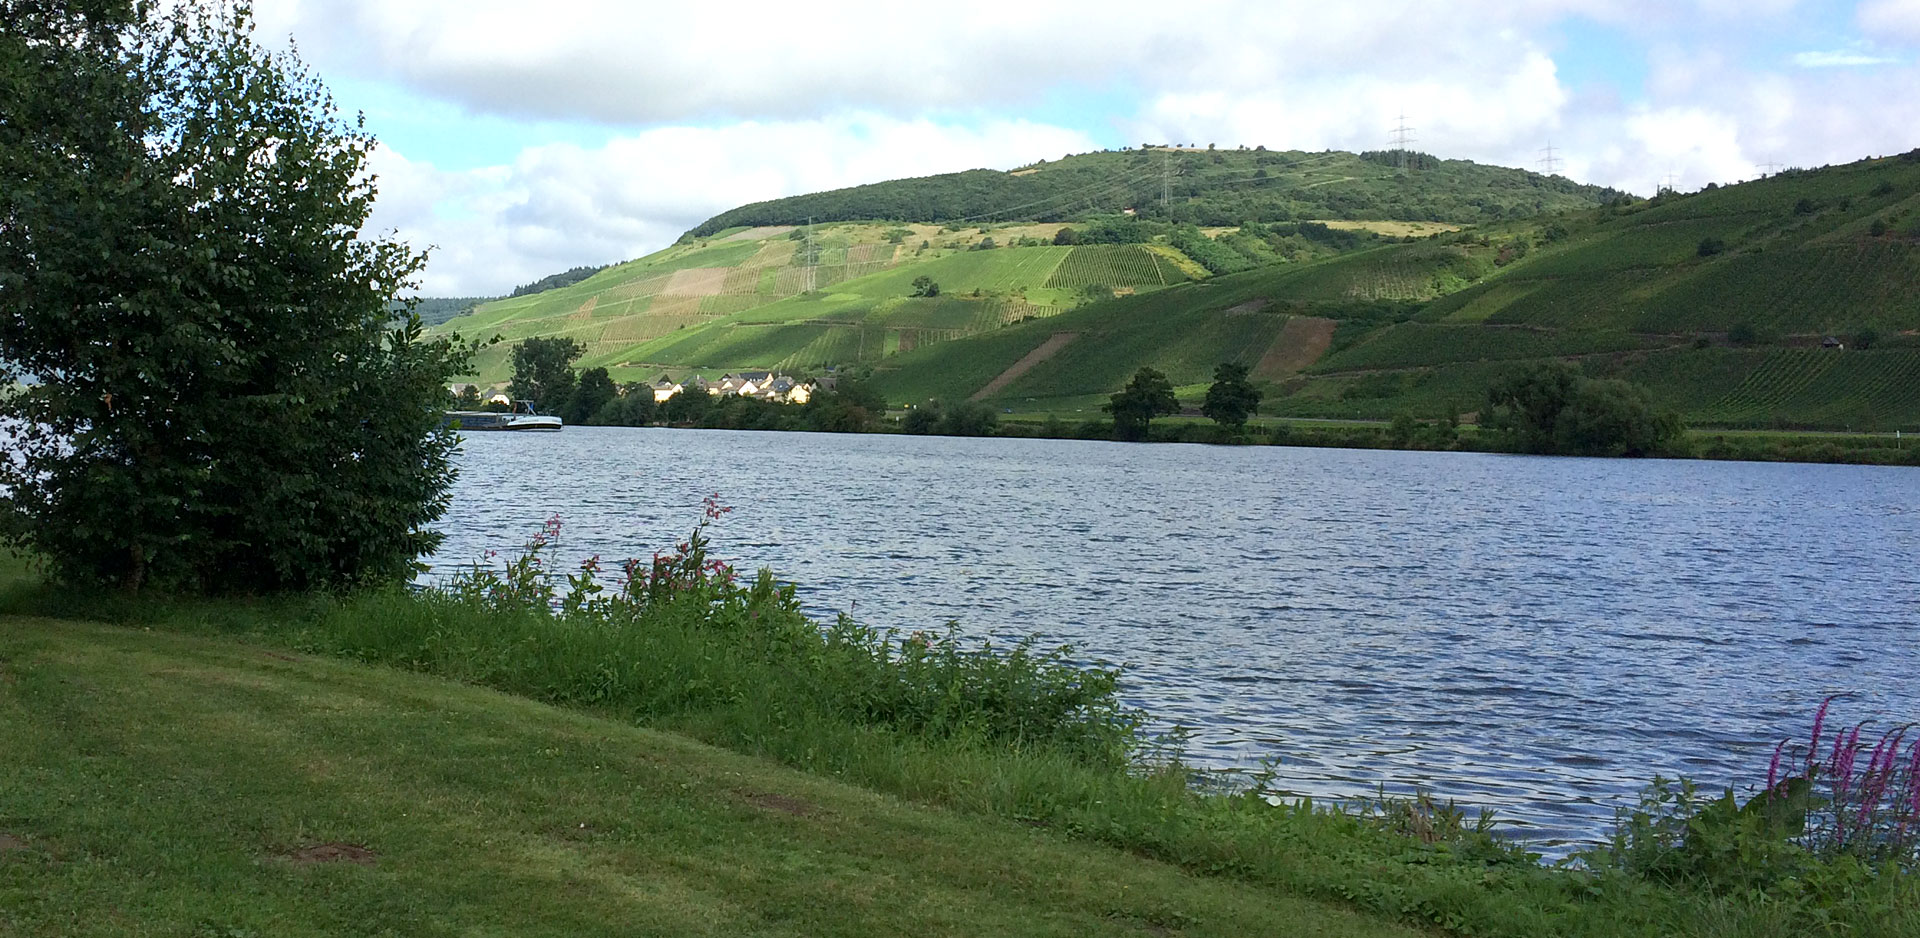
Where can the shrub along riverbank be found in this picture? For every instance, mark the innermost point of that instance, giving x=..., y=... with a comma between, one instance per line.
x=682, y=644
x=859, y=412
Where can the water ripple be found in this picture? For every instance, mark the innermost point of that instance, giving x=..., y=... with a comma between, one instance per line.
x=1538, y=636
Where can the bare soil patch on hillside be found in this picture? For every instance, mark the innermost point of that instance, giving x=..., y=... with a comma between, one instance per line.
x=1300, y=343
x=758, y=234
x=698, y=281
x=1391, y=229
x=1044, y=351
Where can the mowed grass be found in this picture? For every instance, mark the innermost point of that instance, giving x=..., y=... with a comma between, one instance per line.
x=166, y=784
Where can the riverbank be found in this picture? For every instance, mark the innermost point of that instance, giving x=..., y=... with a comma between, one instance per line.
x=158, y=783
x=1426, y=435
x=1007, y=736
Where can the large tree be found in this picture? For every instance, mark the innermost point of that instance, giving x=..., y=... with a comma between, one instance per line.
x=1232, y=398
x=543, y=371
x=216, y=397
x=1147, y=396
x=1553, y=408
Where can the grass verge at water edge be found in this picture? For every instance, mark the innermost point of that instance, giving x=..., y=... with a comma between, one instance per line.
x=918, y=717
x=165, y=784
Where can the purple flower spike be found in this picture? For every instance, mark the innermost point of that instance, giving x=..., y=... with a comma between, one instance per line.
x=1819, y=720
x=1913, y=780
x=1773, y=768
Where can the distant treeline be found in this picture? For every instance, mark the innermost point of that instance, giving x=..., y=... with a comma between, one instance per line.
x=435, y=310
x=565, y=278
x=1200, y=187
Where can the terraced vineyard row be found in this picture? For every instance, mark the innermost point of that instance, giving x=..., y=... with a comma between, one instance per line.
x=1110, y=265
x=1421, y=344
x=1817, y=386
x=1831, y=288
x=1783, y=376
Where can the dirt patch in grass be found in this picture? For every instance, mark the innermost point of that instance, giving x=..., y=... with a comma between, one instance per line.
x=1046, y=350
x=10, y=843
x=785, y=804
x=1248, y=308
x=1300, y=343
x=698, y=281
x=330, y=853
x=1392, y=229
x=757, y=234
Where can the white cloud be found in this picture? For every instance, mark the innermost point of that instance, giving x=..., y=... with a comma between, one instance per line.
x=1891, y=20
x=1484, y=112
x=558, y=206
x=654, y=62
x=715, y=105
x=1840, y=58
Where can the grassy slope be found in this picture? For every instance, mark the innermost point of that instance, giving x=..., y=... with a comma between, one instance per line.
x=1626, y=292
x=633, y=326
x=158, y=784
x=634, y=320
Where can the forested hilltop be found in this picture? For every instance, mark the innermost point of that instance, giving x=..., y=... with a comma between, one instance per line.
x=1201, y=186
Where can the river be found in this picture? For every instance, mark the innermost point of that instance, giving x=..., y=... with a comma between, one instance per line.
x=1539, y=636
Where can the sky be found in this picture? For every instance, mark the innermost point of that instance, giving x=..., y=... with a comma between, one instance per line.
x=520, y=139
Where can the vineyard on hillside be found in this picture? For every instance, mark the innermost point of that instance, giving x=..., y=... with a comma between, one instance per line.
x=1420, y=344
x=1112, y=265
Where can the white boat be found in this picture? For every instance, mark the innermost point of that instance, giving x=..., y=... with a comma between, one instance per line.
x=522, y=417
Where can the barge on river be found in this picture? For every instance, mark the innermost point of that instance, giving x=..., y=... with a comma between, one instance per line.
x=521, y=417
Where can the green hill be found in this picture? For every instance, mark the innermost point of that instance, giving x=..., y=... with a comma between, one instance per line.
x=1202, y=186
x=1719, y=301
x=743, y=291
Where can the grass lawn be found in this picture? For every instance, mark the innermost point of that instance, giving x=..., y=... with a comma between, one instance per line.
x=165, y=784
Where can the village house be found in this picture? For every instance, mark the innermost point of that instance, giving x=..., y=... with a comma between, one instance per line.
x=765, y=385
x=664, y=389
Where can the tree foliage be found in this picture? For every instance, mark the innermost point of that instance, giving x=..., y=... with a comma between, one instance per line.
x=1147, y=396
x=1552, y=408
x=543, y=371
x=1232, y=398
x=593, y=391
x=218, y=401
x=565, y=278
x=960, y=418
x=924, y=285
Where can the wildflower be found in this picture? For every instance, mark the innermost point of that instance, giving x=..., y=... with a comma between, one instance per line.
x=1819, y=718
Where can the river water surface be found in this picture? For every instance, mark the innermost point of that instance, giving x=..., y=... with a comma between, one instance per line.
x=1539, y=636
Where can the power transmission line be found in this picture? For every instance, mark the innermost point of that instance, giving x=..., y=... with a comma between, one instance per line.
x=1772, y=167
x=1550, y=164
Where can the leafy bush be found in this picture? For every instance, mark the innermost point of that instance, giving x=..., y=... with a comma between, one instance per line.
x=1824, y=833
x=1553, y=408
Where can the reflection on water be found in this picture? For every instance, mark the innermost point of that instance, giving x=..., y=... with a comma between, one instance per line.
x=1535, y=635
